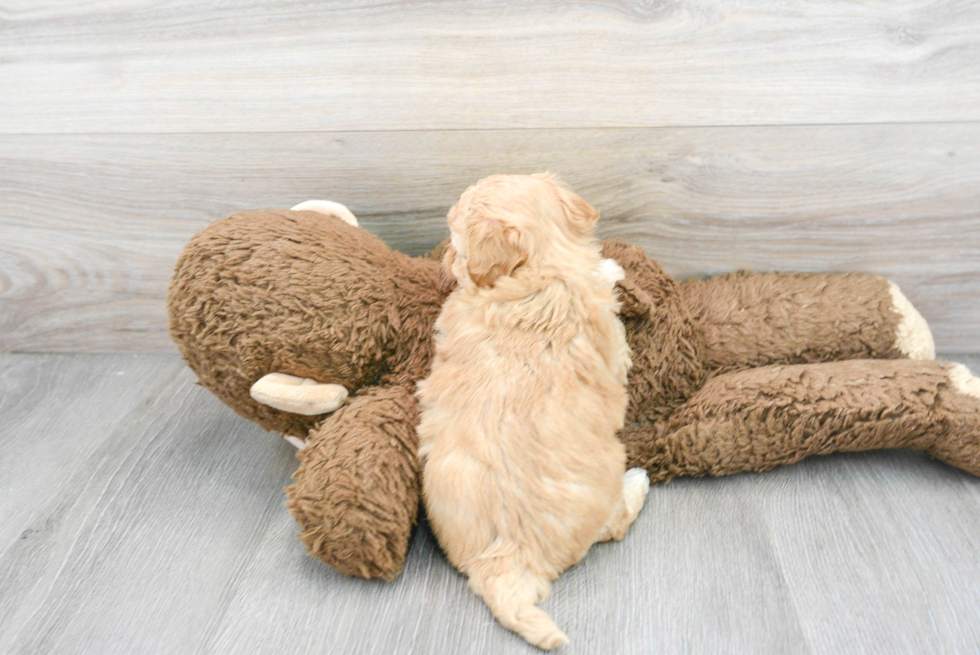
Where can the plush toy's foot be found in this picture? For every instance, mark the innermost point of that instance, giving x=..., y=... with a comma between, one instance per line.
x=297, y=395
x=327, y=207
x=963, y=381
x=959, y=443
x=913, y=338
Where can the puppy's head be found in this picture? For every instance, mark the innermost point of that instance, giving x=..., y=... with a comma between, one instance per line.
x=506, y=222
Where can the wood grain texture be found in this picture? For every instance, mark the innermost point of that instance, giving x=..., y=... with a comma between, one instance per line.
x=161, y=528
x=880, y=550
x=137, y=521
x=279, y=65
x=45, y=402
x=709, y=551
x=92, y=224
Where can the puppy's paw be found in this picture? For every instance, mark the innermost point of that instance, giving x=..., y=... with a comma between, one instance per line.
x=327, y=207
x=636, y=484
x=610, y=271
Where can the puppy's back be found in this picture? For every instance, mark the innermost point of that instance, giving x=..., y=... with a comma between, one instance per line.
x=522, y=465
x=523, y=471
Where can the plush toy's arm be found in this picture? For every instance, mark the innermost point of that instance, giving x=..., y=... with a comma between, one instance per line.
x=757, y=419
x=644, y=282
x=356, y=493
x=756, y=319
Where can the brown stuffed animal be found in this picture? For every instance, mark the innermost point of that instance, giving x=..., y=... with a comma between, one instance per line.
x=284, y=313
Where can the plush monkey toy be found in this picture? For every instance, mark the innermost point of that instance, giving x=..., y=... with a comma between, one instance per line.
x=311, y=326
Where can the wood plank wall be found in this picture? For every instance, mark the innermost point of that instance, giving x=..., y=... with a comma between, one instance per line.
x=760, y=134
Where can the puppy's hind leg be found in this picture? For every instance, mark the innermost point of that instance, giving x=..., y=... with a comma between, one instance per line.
x=512, y=596
x=636, y=484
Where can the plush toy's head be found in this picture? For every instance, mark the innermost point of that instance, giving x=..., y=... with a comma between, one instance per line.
x=304, y=294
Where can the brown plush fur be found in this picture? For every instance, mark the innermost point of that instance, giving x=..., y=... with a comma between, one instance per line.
x=760, y=418
x=304, y=294
x=743, y=316
x=736, y=373
x=355, y=482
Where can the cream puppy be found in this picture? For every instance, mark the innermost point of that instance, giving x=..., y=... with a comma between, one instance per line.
x=522, y=468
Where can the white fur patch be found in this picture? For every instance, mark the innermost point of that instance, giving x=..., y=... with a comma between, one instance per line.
x=610, y=271
x=297, y=395
x=964, y=381
x=912, y=336
x=636, y=484
x=327, y=207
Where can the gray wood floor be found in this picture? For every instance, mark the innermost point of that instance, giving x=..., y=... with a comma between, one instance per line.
x=142, y=516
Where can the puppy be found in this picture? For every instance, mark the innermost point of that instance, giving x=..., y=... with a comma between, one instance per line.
x=522, y=468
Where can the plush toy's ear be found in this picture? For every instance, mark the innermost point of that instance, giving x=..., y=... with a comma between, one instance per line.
x=581, y=216
x=493, y=250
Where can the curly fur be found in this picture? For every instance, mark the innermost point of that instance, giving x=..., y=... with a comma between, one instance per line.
x=522, y=468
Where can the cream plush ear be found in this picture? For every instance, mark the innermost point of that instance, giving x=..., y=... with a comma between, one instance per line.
x=289, y=393
x=327, y=207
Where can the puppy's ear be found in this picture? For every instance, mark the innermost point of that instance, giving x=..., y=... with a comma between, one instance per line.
x=494, y=250
x=448, y=257
x=581, y=216
x=446, y=270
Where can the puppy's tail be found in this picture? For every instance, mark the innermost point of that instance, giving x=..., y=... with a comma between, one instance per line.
x=512, y=597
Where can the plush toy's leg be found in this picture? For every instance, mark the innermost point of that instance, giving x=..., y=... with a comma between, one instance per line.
x=327, y=207
x=756, y=319
x=760, y=418
x=356, y=493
